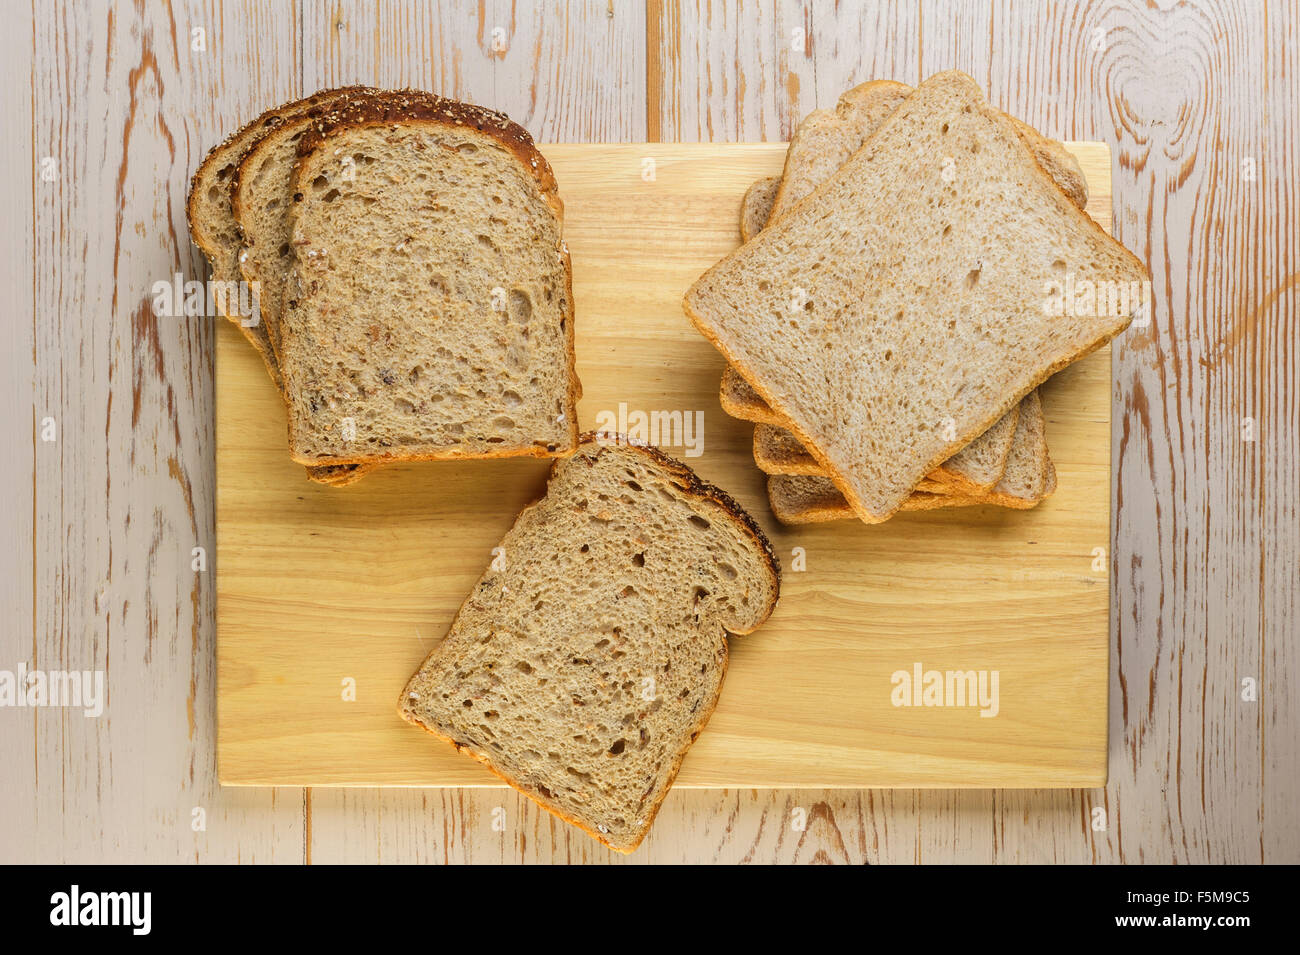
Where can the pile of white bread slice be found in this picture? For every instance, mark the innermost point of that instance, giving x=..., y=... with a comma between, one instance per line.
x=411, y=282
x=889, y=318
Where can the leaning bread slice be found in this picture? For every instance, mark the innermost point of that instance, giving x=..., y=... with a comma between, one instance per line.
x=756, y=206
x=429, y=314
x=211, y=217
x=1029, y=476
x=216, y=231
x=927, y=272
x=826, y=139
x=589, y=656
x=262, y=203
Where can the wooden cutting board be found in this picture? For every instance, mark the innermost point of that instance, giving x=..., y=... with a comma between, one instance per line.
x=328, y=599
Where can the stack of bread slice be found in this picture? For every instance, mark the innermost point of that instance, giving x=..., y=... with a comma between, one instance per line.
x=412, y=285
x=885, y=322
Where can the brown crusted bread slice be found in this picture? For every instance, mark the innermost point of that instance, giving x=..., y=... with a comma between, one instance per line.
x=215, y=230
x=582, y=671
x=429, y=313
x=777, y=451
x=808, y=499
x=1029, y=478
x=810, y=160
x=1030, y=475
x=756, y=206
x=262, y=200
x=740, y=400
x=963, y=328
x=211, y=218
x=825, y=140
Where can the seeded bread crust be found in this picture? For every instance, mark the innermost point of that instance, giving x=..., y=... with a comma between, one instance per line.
x=952, y=87
x=410, y=108
x=691, y=485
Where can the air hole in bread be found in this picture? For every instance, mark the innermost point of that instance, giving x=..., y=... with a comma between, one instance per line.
x=520, y=306
x=331, y=195
x=699, y=522
x=638, y=560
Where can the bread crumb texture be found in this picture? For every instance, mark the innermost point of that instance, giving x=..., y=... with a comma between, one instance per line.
x=590, y=654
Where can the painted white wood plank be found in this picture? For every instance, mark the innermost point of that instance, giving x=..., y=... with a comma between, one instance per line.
x=1268, y=312
x=572, y=72
x=127, y=105
x=21, y=166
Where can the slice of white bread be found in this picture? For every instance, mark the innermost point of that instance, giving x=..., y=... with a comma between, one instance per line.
x=819, y=146
x=429, y=314
x=591, y=653
x=884, y=379
x=807, y=499
x=216, y=231
x=1030, y=477
x=777, y=451
x=757, y=205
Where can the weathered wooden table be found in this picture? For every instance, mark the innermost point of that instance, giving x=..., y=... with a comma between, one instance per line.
x=109, y=466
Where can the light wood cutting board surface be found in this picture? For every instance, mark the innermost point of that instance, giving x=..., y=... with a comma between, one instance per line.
x=321, y=589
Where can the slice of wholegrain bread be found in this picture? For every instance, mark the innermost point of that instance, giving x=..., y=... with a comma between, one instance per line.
x=216, y=231
x=876, y=376
x=1030, y=475
x=262, y=202
x=826, y=139
x=211, y=218
x=429, y=313
x=589, y=656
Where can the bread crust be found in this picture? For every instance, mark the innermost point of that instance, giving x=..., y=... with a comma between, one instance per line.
x=692, y=485
x=412, y=107
x=965, y=86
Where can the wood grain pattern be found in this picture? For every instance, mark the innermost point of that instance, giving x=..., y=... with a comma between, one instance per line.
x=808, y=700
x=1204, y=595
